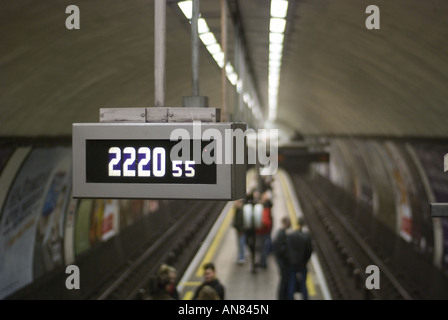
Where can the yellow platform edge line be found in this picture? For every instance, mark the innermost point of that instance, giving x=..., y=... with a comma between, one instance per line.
x=214, y=245
x=191, y=283
x=294, y=223
x=188, y=295
x=208, y=257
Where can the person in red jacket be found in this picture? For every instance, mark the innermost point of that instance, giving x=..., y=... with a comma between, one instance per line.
x=264, y=232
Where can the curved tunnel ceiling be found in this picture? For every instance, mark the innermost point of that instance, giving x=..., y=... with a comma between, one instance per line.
x=341, y=78
x=338, y=77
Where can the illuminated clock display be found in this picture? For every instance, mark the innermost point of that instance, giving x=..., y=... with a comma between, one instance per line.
x=145, y=161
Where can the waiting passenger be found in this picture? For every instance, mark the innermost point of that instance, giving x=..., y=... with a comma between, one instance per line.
x=210, y=279
x=172, y=274
x=163, y=288
x=264, y=231
x=300, y=249
x=238, y=224
x=208, y=293
x=250, y=226
x=303, y=228
x=281, y=257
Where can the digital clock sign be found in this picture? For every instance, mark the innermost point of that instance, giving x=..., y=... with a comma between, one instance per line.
x=146, y=160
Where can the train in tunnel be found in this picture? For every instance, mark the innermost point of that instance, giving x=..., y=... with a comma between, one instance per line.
x=43, y=228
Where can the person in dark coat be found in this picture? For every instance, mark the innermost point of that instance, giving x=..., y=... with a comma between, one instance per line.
x=299, y=252
x=163, y=287
x=166, y=269
x=280, y=249
x=210, y=279
x=308, y=252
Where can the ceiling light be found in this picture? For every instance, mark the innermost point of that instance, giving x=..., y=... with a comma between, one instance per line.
x=277, y=25
x=202, y=26
x=275, y=56
x=275, y=48
x=233, y=77
x=274, y=72
x=239, y=86
x=246, y=97
x=208, y=38
x=214, y=48
x=279, y=8
x=229, y=68
x=187, y=8
x=274, y=63
x=219, y=58
x=276, y=38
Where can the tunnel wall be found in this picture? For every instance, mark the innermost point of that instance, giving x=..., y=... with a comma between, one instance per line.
x=398, y=180
x=43, y=229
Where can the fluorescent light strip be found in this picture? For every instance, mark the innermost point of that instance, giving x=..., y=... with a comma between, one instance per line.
x=277, y=26
x=187, y=8
x=279, y=8
x=214, y=48
x=275, y=48
x=276, y=38
x=208, y=38
x=239, y=86
x=219, y=58
x=202, y=26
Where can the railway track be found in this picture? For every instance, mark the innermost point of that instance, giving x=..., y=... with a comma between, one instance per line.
x=176, y=246
x=343, y=248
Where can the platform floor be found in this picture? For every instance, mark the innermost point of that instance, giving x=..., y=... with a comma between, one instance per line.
x=240, y=283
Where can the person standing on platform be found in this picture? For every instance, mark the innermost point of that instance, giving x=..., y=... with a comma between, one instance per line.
x=300, y=249
x=308, y=252
x=248, y=214
x=167, y=271
x=163, y=288
x=264, y=232
x=212, y=280
x=208, y=293
x=281, y=253
x=238, y=224
x=172, y=274
x=253, y=211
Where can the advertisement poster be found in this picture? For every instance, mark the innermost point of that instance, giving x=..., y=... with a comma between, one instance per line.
x=69, y=234
x=110, y=219
x=403, y=190
x=432, y=162
x=22, y=213
x=48, y=249
x=338, y=169
x=363, y=180
x=82, y=226
x=131, y=211
x=96, y=221
x=381, y=168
